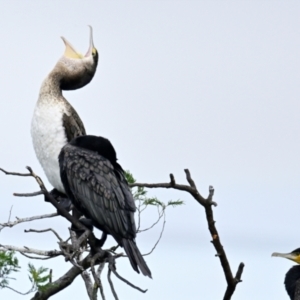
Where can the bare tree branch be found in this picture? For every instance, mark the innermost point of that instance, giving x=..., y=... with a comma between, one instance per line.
x=28, y=194
x=16, y=291
x=88, y=284
x=14, y=173
x=62, y=282
x=207, y=204
x=45, y=230
x=22, y=220
x=98, y=273
x=49, y=253
x=70, y=251
x=36, y=257
x=113, y=269
x=111, y=284
x=9, y=214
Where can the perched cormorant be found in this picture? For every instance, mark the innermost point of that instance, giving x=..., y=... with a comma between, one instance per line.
x=55, y=122
x=107, y=200
x=96, y=185
x=292, y=277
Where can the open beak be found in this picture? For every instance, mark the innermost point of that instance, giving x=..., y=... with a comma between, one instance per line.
x=70, y=51
x=91, y=47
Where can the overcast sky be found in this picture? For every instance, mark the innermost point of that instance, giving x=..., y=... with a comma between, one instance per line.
x=212, y=86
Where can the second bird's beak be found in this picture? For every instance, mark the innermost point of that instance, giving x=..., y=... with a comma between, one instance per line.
x=292, y=256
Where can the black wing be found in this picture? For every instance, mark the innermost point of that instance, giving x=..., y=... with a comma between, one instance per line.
x=95, y=183
x=72, y=124
x=99, y=191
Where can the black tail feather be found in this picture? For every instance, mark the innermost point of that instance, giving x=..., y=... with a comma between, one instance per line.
x=135, y=257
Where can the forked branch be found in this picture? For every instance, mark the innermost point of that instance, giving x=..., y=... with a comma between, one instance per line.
x=207, y=203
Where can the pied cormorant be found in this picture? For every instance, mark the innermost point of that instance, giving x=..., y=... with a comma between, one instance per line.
x=110, y=206
x=292, y=277
x=55, y=122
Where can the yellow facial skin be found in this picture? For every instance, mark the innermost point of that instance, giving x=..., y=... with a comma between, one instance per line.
x=70, y=52
x=296, y=259
x=94, y=51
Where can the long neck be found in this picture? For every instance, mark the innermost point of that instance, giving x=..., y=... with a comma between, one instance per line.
x=51, y=86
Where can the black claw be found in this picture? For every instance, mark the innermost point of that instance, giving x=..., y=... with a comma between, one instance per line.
x=87, y=223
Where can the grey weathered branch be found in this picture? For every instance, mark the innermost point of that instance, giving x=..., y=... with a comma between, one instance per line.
x=22, y=220
x=70, y=251
x=112, y=267
x=47, y=253
x=207, y=203
x=62, y=282
x=45, y=230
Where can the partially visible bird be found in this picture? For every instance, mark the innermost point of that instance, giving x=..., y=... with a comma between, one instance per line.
x=96, y=185
x=55, y=122
x=292, y=277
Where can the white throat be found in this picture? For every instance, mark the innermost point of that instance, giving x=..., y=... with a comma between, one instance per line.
x=48, y=136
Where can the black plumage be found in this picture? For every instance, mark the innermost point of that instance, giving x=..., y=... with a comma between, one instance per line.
x=292, y=282
x=96, y=185
x=292, y=277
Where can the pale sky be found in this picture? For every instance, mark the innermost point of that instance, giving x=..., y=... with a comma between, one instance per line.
x=207, y=85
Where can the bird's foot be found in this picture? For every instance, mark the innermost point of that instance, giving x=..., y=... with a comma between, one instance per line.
x=63, y=200
x=88, y=223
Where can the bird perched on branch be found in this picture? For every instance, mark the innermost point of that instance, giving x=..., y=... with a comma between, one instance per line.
x=103, y=196
x=292, y=277
x=96, y=185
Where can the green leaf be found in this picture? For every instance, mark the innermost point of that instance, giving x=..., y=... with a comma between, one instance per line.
x=8, y=264
x=129, y=177
x=175, y=203
x=37, y=276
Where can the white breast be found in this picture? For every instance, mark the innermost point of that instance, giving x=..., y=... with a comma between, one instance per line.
x=48, y=136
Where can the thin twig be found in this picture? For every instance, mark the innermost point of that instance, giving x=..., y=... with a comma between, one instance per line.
x=111, y=284
x=28, y=194
x=160, y=215
x=9, y=214
x=50, y=276
x=160, y=236
x=14, y=173
x=22, y=220
x=139, y=215
x=126, y=281
x=26, y=293
x=98, y=273
x=45, y=230
x=50, y=253
x=96, y=278
x=36, y=257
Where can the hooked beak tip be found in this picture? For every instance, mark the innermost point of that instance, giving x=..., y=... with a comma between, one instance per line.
x=91, y=46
